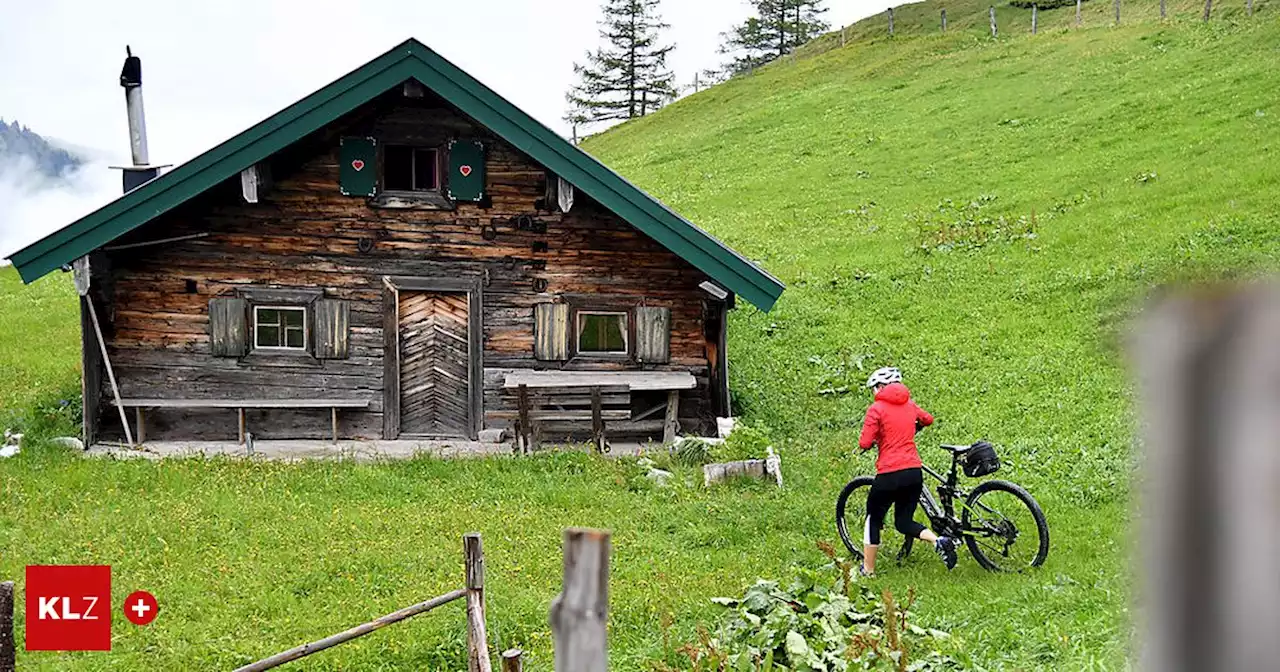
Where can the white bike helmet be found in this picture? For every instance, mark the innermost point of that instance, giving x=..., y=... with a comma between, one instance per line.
x=885, y=376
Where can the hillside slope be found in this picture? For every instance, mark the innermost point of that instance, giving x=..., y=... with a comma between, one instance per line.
x=981, y=213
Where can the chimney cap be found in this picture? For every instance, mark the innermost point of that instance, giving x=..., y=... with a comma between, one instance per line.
x=131, y=74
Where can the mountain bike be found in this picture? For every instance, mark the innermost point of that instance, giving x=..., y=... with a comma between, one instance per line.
x=999, y=521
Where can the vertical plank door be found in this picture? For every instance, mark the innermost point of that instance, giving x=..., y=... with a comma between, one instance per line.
x=434, y=390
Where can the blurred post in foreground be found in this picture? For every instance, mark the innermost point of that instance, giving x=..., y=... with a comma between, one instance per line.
x=1209, y=362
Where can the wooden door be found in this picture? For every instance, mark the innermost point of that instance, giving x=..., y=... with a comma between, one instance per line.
x=434, y=364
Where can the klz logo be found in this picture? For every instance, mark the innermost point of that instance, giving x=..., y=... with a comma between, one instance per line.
x=68, y=608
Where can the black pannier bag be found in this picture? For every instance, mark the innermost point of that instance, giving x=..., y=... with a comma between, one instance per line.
x=980, y=460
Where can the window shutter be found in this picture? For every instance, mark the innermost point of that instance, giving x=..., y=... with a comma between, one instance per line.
x=551, y=332
x=358, y=167
x=332, y=329
x=653, y=335
x=466, y=170
x=228, y=327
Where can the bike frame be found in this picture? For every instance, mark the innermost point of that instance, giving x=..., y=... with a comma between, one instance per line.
x=941, y=511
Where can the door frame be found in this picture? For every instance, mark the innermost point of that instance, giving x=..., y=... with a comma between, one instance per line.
x=392, y=286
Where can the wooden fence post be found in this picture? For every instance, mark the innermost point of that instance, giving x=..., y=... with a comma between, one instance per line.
x=1078, y=2
x=579, y=613
x=1248, y=4
x=477, y=642
x=944, y=19
x=890, y=22
x=1207, y=366
x=8, y=653
x=993, y=21
x=1208, y=7
x=1117, y=12
x=511, y=660
x=1035, y=16
x=1163, y=14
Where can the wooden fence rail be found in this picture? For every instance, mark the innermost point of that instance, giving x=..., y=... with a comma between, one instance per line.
x=473, y=593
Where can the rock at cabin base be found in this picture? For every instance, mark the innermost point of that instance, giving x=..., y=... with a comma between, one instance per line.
x=659, y=477
x=492, y=435
x=68, y=442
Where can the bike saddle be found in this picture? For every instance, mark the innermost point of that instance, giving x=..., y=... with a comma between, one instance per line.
x=955, y=449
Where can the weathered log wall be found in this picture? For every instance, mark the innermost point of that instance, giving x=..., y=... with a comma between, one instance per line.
x=305, y=234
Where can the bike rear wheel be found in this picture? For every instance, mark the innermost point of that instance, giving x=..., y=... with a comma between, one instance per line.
x=851, y=514
x=1004, y=527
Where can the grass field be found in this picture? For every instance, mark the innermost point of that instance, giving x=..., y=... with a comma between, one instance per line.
x=984, y=214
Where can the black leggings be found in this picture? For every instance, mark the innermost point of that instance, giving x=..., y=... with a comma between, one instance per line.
x=901, y=489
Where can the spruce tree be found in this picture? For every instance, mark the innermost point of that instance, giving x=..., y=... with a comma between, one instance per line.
x=778, y=27
x=628, y=77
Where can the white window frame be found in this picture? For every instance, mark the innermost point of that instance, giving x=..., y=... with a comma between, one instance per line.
x=306, y=329
x=626, y=336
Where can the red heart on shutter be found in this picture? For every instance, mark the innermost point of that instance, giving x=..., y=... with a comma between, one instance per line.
x=465, y=170
x=358, y=165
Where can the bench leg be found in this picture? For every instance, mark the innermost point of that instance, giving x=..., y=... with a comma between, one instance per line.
x=597, y=421
x=524, y=427
x=240, y=414
x=142, y=425
x=334, y=417
x=672, y=423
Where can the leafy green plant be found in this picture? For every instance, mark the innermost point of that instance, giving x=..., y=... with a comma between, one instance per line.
x=969, y=226
x=745, y=442
x=819, y=625
x=692, y=452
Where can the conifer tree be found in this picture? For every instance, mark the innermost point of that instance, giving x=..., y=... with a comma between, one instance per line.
x=628, y=77
x=776, y=29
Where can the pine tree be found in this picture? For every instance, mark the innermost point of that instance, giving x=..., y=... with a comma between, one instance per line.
x=628, y=77
x=778, y=27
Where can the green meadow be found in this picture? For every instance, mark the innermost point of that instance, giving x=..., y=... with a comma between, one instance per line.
x=987, y=215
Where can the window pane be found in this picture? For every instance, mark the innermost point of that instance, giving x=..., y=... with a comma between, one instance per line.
x=268, y=317
x=268, y=337
x=397, y=168
x=294, y=337
x=602, y=333
x=293, y=318
x=424, y=166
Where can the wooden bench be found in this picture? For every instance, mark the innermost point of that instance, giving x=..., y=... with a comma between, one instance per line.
x=575, y=384
x=539, y=407
x=140, y=405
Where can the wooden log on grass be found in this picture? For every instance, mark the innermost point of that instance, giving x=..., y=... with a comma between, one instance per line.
x=477, y=640
x=8, y=651
x=1208, y=367
x=579, y=613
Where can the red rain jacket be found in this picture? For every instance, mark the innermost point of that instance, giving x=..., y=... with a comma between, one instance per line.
x=891, y=424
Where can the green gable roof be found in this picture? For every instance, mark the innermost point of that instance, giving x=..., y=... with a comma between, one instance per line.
x=410, y=60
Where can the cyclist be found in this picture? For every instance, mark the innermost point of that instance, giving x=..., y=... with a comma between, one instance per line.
x=891, y=423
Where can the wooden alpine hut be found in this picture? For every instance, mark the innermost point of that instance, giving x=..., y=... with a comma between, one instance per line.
x=402, y=254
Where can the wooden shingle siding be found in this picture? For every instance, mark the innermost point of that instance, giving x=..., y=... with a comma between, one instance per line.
x=653, y=335
x=551, y=332
x=332, y=326
x=228, y=327
x=305, y=235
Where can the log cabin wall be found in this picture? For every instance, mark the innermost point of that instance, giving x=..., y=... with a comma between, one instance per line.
x=304, y=234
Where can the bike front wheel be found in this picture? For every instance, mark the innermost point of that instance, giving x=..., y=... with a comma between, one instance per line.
x=1004, y=527
x=851, y=514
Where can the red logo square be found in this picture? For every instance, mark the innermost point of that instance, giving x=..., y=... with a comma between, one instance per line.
x=68, y=608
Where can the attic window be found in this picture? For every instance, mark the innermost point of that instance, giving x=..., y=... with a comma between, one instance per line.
x=410, y=169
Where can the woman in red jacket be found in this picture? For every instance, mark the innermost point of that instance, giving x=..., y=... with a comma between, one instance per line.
x=891, y=424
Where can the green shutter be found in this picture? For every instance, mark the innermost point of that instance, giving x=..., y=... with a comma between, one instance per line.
x=332, y=324
x=551, y=332
x=653, y=335
x=228, y=327
x=358, y=167
x=466, y=170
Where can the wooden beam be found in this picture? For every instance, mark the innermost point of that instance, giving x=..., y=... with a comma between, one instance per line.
x=579, y=613
x=8, y=650
x=477, y=642
x=348, y=635
x=255, y=181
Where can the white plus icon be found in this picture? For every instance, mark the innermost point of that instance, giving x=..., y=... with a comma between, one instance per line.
x=141, y=608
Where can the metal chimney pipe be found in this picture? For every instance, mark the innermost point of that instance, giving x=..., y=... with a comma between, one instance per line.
x=131, y=80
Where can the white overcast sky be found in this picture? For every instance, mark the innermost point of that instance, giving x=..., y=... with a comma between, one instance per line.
x=214, y=68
